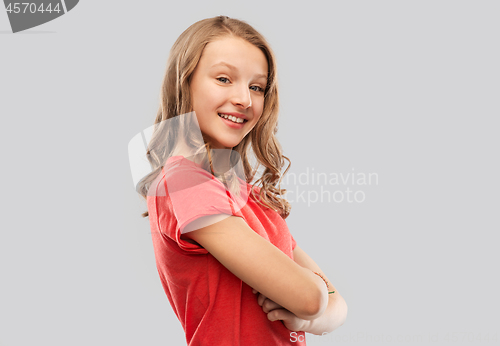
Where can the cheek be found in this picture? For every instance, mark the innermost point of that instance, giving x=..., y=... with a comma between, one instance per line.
x=200, y=97
x=209, y=100
x=258, y=107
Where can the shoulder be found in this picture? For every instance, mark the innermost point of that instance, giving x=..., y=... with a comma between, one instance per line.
x=176, y=164
x=181, y=173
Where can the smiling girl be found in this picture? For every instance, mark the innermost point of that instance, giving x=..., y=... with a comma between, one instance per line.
x=231, y=270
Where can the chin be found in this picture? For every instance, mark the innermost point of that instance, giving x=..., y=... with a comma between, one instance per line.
x=228, y=143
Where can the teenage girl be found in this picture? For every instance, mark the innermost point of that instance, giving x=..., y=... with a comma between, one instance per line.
x=234, y=275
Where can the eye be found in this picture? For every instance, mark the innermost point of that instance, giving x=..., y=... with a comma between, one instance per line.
x=257, y=88
x=223, y=80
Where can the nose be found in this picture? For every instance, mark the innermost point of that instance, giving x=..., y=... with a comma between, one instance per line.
x=242, y=97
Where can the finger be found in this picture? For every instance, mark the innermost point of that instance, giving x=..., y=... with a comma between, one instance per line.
x=270, y=305
x=261, y=298
x=279, y=314
x=254, y=291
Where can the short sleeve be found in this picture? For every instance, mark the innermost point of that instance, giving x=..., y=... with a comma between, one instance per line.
x=195, y=193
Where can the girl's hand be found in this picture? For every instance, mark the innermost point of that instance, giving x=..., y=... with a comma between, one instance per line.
x=276, y=312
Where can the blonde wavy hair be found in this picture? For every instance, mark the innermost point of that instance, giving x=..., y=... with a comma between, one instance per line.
x=175, y=99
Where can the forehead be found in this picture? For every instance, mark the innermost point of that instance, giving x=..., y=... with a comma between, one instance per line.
x=236, y=52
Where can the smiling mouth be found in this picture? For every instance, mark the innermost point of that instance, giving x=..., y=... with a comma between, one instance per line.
x=232, y=118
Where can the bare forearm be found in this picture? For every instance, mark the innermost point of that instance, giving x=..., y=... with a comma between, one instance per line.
x=333, y=317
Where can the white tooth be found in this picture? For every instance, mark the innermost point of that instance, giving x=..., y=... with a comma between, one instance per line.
x=232, y=118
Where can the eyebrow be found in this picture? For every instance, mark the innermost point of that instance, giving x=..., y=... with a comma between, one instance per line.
x=231, y=67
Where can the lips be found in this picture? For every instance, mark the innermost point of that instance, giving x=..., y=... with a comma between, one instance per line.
x=233, y=117
x=232, y=124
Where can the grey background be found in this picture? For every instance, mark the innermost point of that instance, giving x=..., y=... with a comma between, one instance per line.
x=408, y=90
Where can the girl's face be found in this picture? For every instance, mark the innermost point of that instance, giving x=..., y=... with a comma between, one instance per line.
x=229, y=81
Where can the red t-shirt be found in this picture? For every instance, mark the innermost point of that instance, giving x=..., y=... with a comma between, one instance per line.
x=213, y=305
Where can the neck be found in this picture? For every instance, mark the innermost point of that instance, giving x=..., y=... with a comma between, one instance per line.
x=221, y=160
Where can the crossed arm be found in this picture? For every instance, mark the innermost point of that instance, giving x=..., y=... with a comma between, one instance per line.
x=298, y=295
x=333, y=317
